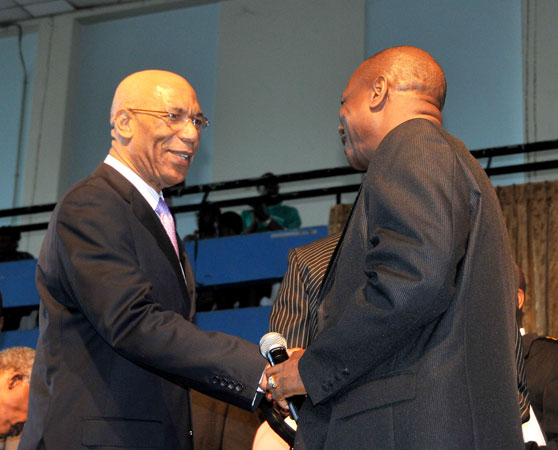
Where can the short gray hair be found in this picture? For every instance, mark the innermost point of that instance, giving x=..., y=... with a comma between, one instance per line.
x=17, y=359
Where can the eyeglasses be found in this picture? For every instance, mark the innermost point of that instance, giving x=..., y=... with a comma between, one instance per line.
x=175, y=121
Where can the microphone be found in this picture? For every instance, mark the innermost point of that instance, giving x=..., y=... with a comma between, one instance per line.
x=273, y=347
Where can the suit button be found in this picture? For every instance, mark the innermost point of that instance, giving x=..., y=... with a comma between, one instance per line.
x=224, y=382
x=215, y=379
x=231, y=385
x=239, y=387
x=346, y=372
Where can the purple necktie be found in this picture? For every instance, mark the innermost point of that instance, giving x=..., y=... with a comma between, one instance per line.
x=164, y=214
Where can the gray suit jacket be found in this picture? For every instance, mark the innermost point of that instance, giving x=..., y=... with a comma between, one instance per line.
x=117, y=348
x=416, y=328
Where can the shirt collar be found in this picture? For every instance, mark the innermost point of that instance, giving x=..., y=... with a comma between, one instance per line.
x=150, y=194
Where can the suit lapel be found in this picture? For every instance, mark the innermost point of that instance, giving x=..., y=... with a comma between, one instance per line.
x=146, y=216
x=189, y=275
x=328, y=277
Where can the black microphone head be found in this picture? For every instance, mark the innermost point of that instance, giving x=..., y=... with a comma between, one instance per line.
x=271, y=340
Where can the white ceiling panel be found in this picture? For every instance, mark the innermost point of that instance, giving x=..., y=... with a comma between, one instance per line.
x=19, y=10
x=48, y=8
x=30, y=2
x=13, y=14
x=89, y=3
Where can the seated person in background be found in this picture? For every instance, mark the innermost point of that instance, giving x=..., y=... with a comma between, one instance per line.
x=9, y=242
x=230, y=224
x=270, y=214
x=15, y=373
x=541, y=368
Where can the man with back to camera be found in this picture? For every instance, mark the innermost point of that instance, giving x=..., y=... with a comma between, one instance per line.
x=421, y=281
x=117, y=348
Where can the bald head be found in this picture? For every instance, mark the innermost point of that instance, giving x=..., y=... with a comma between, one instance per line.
x=391, y=87
x=408, y=69
x=147, y=89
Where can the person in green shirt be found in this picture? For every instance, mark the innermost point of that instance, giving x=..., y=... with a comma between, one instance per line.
x=270, y=214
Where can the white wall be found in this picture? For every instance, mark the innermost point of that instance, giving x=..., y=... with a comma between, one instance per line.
x=13, y=152
x=478, y=44
x=281, y=71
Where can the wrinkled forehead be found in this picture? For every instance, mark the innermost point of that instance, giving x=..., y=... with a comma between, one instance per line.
x=156, y=90
x=176, y=96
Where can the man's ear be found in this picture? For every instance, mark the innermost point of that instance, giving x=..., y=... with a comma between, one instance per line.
x=378, y=92
x=122, y=124
x=15, y=379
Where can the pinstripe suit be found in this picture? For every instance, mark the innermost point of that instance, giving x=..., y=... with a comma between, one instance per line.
x=294, y=313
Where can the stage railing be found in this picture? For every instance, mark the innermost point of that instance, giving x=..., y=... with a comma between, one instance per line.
x=490, y=154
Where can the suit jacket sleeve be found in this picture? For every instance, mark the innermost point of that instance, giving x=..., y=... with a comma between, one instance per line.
x=141, y=318
x=414, y=216
x=290, y=314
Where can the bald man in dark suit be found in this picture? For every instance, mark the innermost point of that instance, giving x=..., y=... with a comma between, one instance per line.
x=421, y=280
x=117, y=349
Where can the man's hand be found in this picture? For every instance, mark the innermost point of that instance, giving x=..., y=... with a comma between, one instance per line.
x=286, y=380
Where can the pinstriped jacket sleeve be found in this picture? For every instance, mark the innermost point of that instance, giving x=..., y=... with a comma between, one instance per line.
x=294, y=313
x=289, y=315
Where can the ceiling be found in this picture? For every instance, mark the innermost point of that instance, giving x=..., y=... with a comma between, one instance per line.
x=18, y=10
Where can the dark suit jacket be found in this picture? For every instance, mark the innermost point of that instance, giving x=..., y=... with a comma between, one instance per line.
x=416, y=328
x=117, y=347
